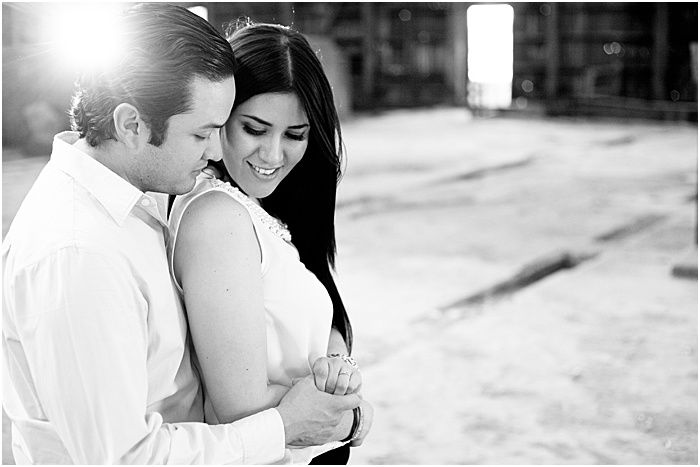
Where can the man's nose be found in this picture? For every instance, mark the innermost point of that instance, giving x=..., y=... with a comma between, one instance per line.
x=213, y=151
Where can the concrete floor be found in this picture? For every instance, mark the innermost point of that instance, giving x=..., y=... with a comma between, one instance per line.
x=594, y=363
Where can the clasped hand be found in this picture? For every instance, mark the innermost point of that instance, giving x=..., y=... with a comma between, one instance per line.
x=336, y=376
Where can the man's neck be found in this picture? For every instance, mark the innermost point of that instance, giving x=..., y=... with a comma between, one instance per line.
x=111, y=155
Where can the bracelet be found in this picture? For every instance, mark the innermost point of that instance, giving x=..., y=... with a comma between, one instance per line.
x=356, y=416
x=360, y=423
x=346, y=358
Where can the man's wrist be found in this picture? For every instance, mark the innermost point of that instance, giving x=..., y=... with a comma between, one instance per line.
x=289, y=433
x=263, y=436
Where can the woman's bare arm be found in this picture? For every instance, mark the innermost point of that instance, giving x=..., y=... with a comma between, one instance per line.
x=217, y=262
x=336, y=343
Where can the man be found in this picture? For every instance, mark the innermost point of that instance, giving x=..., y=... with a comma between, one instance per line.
x=96, y=349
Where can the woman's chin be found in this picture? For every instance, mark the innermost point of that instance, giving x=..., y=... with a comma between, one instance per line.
x=258, y=191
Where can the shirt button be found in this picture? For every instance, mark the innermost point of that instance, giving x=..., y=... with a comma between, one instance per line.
x=145, y=202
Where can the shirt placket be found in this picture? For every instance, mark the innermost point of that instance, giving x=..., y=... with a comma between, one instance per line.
x=151, y=207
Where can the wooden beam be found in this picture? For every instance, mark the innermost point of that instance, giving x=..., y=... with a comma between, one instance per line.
x=552, y=38
x=456, y=71
x=660, y=52
x=369, y=12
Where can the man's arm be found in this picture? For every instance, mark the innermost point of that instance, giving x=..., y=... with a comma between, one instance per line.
x=83, y=328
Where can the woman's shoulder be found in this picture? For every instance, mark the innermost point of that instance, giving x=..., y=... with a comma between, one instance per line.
x=211, y=222
x=217, y=204
x=214, y=220
x=206, y=188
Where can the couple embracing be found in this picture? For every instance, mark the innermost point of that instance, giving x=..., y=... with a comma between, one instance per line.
x=208, y=330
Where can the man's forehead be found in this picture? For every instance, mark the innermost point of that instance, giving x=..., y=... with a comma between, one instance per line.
x=211, y=102
x=202, y=86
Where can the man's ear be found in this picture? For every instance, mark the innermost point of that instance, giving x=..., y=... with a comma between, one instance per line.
x=131, y=129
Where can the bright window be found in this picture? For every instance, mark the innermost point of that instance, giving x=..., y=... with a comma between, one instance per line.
x=490, y=55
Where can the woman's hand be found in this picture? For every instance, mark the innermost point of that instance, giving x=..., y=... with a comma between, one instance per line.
x=337, y=374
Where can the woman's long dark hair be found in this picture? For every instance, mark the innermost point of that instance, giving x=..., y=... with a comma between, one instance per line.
x=275, y=58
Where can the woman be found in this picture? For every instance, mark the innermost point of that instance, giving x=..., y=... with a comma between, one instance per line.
x=252, y=249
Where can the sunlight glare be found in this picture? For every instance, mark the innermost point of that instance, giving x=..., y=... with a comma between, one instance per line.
x=85, y=36
x=200, y=11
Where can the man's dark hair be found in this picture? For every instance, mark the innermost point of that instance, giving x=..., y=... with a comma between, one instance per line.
x=165, y=47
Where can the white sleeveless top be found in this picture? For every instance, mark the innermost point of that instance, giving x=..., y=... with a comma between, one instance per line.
x=298, y=310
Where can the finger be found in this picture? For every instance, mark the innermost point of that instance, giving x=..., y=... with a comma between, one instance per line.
x=321, y=370
x=355, y=383
x=319, y=361
x=332, y=379
x=341, y=385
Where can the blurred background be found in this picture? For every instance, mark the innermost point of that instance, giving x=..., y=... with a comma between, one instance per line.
x=517, y=222
x=623, y=59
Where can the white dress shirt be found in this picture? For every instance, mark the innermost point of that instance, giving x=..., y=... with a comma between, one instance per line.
x=96, y=360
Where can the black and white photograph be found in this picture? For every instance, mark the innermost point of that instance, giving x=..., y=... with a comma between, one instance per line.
x=350, y=233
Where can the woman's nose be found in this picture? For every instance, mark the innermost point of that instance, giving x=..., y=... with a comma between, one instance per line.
x=273, y=153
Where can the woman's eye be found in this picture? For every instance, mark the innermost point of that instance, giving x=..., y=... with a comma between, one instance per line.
x=252, y=131
x=297, y=137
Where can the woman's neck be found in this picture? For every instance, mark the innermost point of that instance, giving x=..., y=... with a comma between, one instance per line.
x=227, y=178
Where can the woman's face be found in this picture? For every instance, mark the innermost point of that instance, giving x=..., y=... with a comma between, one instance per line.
x=265, y=137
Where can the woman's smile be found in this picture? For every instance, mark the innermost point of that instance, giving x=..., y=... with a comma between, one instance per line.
x=263, y=172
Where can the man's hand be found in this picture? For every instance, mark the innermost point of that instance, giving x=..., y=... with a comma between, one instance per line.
x=311, y=416
x=335, y=376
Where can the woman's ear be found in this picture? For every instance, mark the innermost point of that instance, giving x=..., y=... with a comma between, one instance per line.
x=130, y=127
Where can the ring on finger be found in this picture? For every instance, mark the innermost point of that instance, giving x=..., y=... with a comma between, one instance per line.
x=346, y=358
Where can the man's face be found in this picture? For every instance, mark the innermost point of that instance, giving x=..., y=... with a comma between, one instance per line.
x=191, y=140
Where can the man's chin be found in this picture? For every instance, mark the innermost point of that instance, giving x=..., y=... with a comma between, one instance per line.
x=186, y=189
x=181, y=189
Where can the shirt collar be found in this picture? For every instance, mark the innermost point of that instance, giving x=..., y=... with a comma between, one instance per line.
x=114, y=193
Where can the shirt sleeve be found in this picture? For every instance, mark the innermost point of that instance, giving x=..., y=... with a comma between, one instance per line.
x=83, y=327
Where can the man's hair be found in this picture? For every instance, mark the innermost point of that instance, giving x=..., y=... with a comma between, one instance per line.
x=164, y=48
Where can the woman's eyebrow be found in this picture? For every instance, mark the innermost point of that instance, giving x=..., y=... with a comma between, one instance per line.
x=259, y=120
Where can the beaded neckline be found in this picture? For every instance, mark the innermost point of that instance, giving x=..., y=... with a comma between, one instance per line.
x=273, y=224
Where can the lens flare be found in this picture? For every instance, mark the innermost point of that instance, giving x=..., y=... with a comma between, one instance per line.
x=85, y=36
